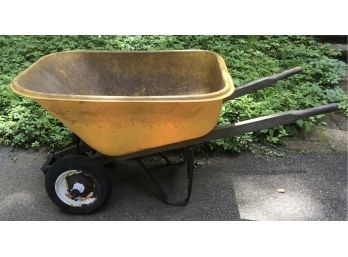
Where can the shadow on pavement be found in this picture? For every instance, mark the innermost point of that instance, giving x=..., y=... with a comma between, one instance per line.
x=134, y=195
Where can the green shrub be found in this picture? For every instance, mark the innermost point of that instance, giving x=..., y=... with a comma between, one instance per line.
x=24, y=123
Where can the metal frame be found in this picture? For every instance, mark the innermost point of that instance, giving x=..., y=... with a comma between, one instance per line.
x=269, y=121
x=161, y=194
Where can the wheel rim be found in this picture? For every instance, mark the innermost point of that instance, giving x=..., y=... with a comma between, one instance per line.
x=76, y=188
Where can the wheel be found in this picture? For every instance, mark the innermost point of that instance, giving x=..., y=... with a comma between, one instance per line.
x=78, y=184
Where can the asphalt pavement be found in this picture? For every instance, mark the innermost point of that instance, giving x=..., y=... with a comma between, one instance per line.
x=297, y=186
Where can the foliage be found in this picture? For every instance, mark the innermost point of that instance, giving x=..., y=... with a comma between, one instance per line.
x=24, y=123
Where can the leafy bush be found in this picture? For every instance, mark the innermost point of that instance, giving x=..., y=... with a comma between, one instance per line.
x=24, y=123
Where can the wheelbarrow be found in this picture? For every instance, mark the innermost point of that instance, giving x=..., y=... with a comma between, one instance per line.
x=129, y=105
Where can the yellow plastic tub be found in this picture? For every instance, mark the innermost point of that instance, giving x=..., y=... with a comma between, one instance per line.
x=124, y=102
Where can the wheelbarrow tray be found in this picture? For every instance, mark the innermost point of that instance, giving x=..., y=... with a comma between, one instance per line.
x=124, y=102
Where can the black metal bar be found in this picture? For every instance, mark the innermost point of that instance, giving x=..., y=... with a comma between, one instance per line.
x=76, y=141
x=80, y=147
x=238, y=128
x=49, y=161
x=161, y=194
x=262, y=83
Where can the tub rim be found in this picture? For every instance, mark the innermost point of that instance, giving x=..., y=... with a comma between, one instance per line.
x=226, y=91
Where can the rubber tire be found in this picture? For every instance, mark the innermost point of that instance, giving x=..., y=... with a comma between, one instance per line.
x=87, y=165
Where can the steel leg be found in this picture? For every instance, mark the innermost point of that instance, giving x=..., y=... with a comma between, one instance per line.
x=161, y=194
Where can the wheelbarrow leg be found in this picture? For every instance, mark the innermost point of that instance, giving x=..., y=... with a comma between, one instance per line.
x=161, y=194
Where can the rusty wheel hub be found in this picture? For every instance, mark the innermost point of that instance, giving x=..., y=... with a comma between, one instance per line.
x=76, y=188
